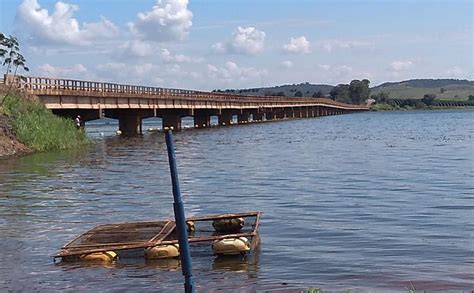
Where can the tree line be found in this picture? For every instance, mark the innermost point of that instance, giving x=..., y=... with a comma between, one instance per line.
x=356, y=92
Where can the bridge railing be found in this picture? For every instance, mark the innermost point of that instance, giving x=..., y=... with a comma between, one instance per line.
x=38, y=85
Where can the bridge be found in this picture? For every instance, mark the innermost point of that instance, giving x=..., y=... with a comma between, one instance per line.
x=130, y=104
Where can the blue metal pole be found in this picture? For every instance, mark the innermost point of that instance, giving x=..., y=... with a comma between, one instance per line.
x=180, y=218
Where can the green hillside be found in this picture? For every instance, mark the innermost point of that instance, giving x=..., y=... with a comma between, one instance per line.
x=307, y=90
x=445, y=89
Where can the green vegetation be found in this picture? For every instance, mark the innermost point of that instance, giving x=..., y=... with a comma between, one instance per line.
x=357, y=92
x=10, y=54
x=289, y=90
x=38, y=128
x=34, y=125
x=444, y=89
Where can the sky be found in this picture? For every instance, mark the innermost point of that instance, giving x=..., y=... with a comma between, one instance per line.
x=211, y=44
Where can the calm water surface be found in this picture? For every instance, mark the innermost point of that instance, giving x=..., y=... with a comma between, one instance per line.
x=371, y=201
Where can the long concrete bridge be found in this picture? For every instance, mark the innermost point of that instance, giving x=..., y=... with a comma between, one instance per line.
x=130, y=103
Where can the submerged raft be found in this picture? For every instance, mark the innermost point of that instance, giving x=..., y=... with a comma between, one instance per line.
x=227, y=234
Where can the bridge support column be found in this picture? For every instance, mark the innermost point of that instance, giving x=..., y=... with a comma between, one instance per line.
x=172, y=120
x=225, y=118
x=202, y=120
x=304, y=112
x=296, y=113
x=280, y=114
x=130, y=125
x=257, y=117
x=310, y=112
x=243, y=117
x=270, y=116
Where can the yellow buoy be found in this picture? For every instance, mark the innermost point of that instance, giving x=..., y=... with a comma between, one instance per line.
x=191, y=226
x=107, y=256
x=228, y=225
x=162, y=251
x=231, y=246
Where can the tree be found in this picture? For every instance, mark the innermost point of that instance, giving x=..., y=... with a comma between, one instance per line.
x=298, y=94
x=359, y=91
x=381, y=97
x=280, y=94
x=471, y=98
x=341, y=93
x=3, y=51
x=429, y=99
x=10, y=53
x=11, y=57
x=318, y=94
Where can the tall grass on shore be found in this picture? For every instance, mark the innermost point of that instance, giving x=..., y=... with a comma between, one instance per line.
x=38, y=128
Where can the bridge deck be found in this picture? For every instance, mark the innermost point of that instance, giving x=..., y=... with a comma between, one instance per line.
x=131, y=103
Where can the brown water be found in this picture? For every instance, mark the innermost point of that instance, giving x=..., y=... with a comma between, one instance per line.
x=374, y=201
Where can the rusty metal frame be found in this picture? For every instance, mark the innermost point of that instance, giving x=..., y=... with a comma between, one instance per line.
x=160, y=237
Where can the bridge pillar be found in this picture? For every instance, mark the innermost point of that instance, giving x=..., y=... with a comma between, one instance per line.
x=202, y=120
x=257, y=117
x=310, y=112
x=296, y=112
x=130, y=125
x=243, y=117
x=304, y=112
x=172, y=120
x=225, y=118
x=269, y=115
x=280, y=114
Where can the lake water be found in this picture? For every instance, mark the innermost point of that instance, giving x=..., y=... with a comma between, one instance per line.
x=370, y=201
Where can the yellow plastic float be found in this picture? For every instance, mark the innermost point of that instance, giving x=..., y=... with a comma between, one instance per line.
x=162, y=251
x=191, y=226
x=228, y=225
x=231, y=246
x=107, y=256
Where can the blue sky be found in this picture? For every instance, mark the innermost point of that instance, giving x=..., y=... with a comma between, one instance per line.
x=239, y=44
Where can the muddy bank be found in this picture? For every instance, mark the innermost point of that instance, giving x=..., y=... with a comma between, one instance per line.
x=9, y=144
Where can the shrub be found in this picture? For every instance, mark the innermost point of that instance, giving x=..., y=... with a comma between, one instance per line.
x=39, y=128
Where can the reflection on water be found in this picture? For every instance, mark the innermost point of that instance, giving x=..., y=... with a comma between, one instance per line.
x=377, y=201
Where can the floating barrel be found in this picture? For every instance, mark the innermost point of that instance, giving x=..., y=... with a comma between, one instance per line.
x=107, y=256
x=231, y=246
x=228, y=225
x=162, y=251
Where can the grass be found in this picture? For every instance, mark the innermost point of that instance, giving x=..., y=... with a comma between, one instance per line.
x=450, y=92
x=38, y=128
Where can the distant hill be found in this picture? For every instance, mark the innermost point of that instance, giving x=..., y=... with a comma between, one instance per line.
x=306, y=89
x=448, y=89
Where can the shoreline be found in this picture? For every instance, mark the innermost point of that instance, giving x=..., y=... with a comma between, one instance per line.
x=389, y=108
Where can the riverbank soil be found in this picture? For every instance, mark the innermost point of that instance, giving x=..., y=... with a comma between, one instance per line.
x=9, y=144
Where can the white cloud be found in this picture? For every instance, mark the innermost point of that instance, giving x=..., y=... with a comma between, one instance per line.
x=179, y=58
x=232, y=74
x=76, y=71
x=61, y=27
x=137, y=48
x=168, y=20
x=324, y=66
x=331, y=45
x=298, y=45
x=455, y=72
x=245, y=40
x=286, y=64
x=401, y=65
